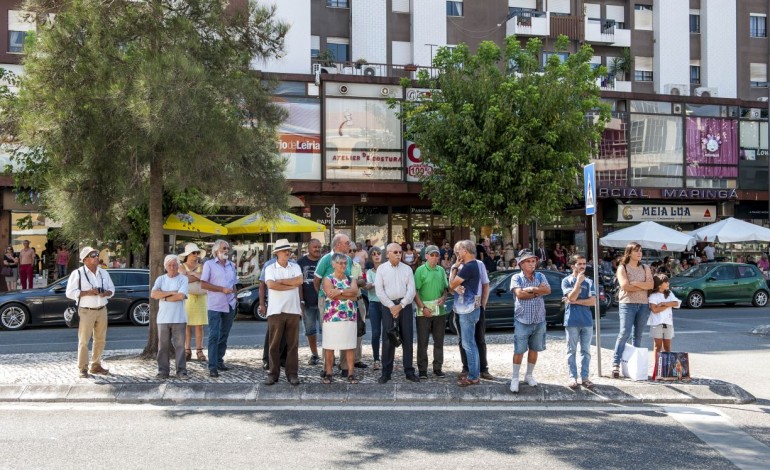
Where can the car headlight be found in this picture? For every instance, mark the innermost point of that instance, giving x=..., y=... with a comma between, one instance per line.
x=244, y=294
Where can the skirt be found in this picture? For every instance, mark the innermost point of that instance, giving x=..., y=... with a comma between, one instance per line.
x=339, y=335
x=196, y=307
x=13, y=276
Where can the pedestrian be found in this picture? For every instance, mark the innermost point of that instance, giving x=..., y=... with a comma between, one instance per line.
x=309, y=298
x=340, y=318
x=635, y=280
x=375, y=308
x=219, y=278
x=464, y=282
x=170, y=290
x=26, y=262
x=559, y=256
x=357, y=276
x=479, y=334
x=62, y=261
x=431, y=284
x=91, y=287
x=10, y=268
x=579, y=296
x=529, y=288
x=661, y=322
x=197, y=300
x=263, y=303
x=410, y=257
x=284, y=312
x=395, y=290
x=709, y=251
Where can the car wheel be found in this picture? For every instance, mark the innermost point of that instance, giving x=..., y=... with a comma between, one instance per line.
x=450, y=323
x=695, y=299
x=760, y=298
x=139, y=314
x=257, y=315
x=14, y=317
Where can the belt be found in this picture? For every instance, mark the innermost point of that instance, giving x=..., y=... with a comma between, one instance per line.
x=92, y=308
x=397, y=301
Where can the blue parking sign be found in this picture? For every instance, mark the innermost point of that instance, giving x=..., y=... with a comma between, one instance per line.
x=589, y=188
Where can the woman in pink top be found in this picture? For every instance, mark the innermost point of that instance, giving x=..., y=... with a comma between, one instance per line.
x=62, y=260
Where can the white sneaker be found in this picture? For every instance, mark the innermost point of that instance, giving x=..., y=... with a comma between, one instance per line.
x=515, y=385
x=530, y=380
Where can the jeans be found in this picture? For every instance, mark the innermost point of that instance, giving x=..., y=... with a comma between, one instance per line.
x=633, y=317
x=219, y=329
x=61, y=270
x=311, y=321
x=467, y=323
x=584, y=334
x=375, y=320
x=481, y=342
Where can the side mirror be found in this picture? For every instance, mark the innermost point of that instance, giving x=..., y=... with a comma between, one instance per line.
x=711, y=279
x=500, y=291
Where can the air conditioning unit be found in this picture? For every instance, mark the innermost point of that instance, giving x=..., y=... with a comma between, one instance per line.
x=370, y=71
x=317, y=68
x=706, y=92
x=762, y=98
x=678, y=89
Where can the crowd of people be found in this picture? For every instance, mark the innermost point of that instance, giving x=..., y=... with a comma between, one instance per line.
x=324, y=294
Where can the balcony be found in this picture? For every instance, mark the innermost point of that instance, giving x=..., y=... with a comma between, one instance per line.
x=369, y=70
x=605, y=32
x=612, y=84
x=526, y=22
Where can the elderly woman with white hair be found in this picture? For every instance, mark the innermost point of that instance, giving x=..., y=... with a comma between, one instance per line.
x=170, y=290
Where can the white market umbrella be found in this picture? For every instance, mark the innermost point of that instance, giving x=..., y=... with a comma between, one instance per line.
x=651, y=236
x=732, y=230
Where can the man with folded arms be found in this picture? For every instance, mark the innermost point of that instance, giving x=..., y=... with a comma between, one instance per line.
x=431, y=285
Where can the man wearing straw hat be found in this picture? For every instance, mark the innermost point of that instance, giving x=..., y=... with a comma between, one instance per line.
x=90, y=286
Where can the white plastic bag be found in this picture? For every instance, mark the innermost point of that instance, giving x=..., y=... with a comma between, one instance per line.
x=633, y=364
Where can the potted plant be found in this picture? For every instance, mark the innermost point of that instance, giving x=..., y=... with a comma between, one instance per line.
x=620, y=67
x=361, y=62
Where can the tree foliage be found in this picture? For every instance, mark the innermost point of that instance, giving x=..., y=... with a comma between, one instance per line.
x=507, y=136
x=125, y=101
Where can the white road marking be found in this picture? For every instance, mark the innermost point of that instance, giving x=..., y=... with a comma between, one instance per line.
x=719, y=432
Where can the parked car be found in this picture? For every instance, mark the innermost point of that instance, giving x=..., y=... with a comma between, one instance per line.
x=720, y=283
x=46, y=305
x=500, y=306
x=248, y=302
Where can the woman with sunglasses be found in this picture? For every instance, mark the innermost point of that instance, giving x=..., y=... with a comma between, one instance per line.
x=196, y=303
x=10, y=268
x=375, y=315
x=339, y=318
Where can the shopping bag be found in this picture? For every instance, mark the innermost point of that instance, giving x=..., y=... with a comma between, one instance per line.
x=672, y=366
x=633, y=364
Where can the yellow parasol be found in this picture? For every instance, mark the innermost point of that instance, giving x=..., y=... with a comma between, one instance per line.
x=284, y=223
x=190, y=222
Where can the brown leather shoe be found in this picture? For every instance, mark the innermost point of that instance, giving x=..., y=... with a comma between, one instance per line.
x=487, y=376
x=84, y=373
x=98, y=369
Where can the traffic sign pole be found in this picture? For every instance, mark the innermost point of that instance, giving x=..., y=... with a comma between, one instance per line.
x=589, y=192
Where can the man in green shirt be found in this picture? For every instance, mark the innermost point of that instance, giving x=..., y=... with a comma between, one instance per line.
x=431, y=284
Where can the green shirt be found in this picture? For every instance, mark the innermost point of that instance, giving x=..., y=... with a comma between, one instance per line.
x=325, y=268
x=430, y=283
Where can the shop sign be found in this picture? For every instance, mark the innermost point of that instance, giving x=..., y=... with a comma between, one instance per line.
x=421, y=210
x=666, y=213
x=674, y=193
x=342, y=215
x=416, y=168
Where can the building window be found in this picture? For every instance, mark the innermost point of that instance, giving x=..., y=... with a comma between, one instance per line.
x=695, y=74
x=454, y=8
x=695, y=24
x=643, y=76
x=758, y=26
x=561, y=55
x=338, y=51
x=642, y=69
x=16, y=41
x=643, y=17
x=337, y=3
x=758, y=75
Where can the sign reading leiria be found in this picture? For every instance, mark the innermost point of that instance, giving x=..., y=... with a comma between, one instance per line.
x=666, y=213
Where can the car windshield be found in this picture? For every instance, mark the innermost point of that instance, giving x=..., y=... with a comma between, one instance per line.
x=495, y=279
x=696, y=271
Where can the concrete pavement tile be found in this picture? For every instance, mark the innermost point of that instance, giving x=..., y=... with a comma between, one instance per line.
x=132, y=393
x=527, y=394
x=231, y=392
x=373, y=392
x=630, y=392
x=427, y=392
x=281, y=391
x=714, y=393
x=49, y=393
x=479, y=393
x=94, y=392
x=10, y=392
x=335, y=391
x=562, y=393
x=185, y=392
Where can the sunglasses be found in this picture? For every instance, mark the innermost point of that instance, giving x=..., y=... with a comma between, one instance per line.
x=94, y=255
x=433, y=254
x=195, y=252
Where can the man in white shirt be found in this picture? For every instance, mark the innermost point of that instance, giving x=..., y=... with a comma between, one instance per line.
x=394, y=285
x=284, y=313
x=709, y=251
x=90, y=286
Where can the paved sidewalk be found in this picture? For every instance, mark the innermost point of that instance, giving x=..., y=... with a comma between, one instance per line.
x=53, y=377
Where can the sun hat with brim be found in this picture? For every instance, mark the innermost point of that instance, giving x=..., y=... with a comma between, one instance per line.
x=87, y=251
x=281, y=245
x=525, y=255
x=191, y=248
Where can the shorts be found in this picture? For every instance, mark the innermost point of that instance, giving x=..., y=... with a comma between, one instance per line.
x=311, y=321
x=528, y=337
x=662, y=331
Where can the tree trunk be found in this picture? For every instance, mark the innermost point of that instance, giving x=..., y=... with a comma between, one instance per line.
x=156, y=251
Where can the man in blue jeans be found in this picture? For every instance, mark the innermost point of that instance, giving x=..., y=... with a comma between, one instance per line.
x=464, y=281
x=219, y=277
x=579, y=297
x=528, y=287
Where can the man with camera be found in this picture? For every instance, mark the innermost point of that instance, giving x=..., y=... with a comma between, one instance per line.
x=90, y=286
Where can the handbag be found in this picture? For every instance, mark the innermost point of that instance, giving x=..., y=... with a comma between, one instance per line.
x=7, y=271
x=394, y=335
x=633, y=364
x=71, y=315
x=672, y=366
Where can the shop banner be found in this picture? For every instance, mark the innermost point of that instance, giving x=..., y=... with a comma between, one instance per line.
x=666, y=213
x=416, y=169
x=299, y=138
x=712, y=148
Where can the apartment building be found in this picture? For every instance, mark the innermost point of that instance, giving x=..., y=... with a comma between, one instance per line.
x=688, y=83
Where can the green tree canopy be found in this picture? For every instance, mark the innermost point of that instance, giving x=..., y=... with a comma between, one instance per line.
x=125, y=100
x=507, y=136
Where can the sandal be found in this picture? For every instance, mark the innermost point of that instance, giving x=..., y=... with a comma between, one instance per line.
x=188, y=354
x=615, y=372
x=588, y=384
x=465, y=382
x=352, y=379
x=573, y=384
x=201, y=356
x=327, y=378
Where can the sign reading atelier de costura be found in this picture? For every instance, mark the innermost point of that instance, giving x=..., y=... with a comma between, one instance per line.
x=666, y=213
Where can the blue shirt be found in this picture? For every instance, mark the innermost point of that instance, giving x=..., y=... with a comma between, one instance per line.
x=529, y=311
x=220, y=276
x=466, y=302
x=578, y=315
